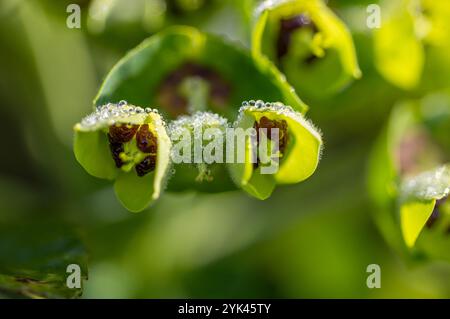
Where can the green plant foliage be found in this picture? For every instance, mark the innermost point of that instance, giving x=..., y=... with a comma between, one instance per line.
x=210, y=229
x=34, y=257
x=128, y=22
x=308, y=43
x=155, y=73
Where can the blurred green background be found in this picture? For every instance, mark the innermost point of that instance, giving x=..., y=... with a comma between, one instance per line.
x=312, y=240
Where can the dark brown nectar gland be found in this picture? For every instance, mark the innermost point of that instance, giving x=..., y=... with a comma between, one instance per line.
x=175, y=103
x=283, y=136
x=146, y=142
x=116, y=149
x=122, y=133
x=146, y=166
x=287, y=28
x=119, y=134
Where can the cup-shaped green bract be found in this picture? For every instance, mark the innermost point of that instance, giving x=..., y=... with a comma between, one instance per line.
x=308, y=43
x=409, y=177
x=127, y=144
x=182, y=70
x=274, y=145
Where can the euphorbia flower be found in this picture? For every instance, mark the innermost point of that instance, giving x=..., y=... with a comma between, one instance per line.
x=410, y=178
x=127, y=144
x=290, y=157
x=307, y=42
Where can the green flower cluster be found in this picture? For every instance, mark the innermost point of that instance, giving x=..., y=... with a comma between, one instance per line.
x=133, y=146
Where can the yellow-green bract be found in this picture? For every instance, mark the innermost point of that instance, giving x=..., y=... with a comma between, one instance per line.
x=419, y=195
x=409, y=29
x=307, y=42
x=92, y=151
x=298, y=161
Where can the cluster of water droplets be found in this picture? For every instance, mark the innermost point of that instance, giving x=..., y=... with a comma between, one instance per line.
x=111, y=113
x=428, y=185
x=196, y=122
x=276, y=108
x=260, y=105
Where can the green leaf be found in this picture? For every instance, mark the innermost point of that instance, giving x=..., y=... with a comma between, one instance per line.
x=320, y=57
x=414, y=216
x=34, y=257
x=139, y=76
